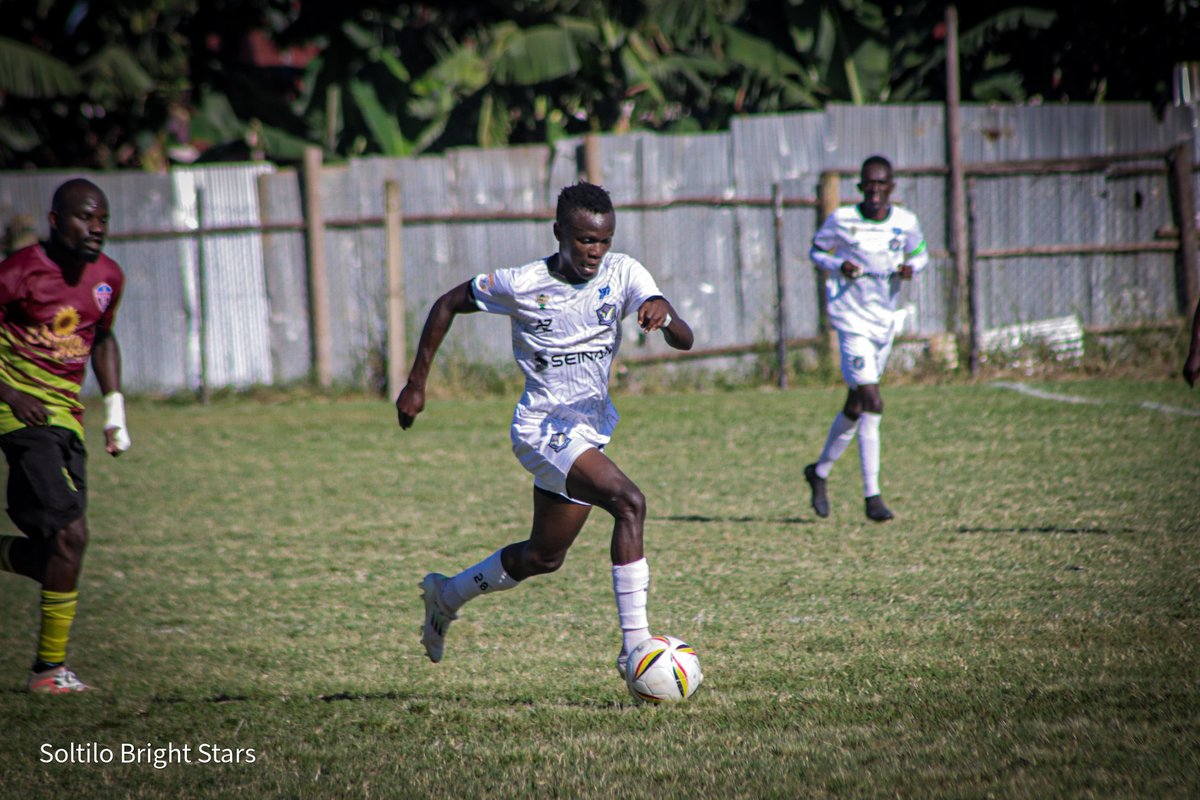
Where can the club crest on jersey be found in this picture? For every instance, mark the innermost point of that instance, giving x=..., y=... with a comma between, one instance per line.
x=541, y=301
x=102, y=293
x=558, y=440
x=897, y=241
x=606, y=314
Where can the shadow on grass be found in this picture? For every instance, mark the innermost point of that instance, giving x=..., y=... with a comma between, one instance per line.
x=417, y=702
x=1048, y=529
x=704, y=518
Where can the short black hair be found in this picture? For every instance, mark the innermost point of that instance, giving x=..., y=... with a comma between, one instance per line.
x=880, y=160
x=65, y=193
x=583, y=195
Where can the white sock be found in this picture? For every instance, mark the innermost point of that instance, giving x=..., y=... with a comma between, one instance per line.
x=631, y=585
x=868, y=451
x=484, y=578
x=841, y=433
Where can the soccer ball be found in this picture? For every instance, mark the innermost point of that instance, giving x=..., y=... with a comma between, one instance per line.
x=663, y=669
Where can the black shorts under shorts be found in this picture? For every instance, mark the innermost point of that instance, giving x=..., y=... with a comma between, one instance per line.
x=47, y=479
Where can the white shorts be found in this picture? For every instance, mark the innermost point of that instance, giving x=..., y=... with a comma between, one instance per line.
x=547, y=446
x=863, y=359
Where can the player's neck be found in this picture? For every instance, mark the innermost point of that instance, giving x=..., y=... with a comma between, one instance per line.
x=876, y=215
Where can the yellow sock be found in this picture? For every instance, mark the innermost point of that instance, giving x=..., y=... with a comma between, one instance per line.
x=5, y=544
x=58, y=612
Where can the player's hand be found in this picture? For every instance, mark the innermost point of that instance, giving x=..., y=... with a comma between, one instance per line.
x=410, y=403
x=653, y=314
x=851, y=270
x=26, y=408
x=905, y=271
x=111, y=445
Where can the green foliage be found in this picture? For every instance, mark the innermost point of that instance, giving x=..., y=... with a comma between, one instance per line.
x=107, y=88
x=26, y=71
x=1024, y=628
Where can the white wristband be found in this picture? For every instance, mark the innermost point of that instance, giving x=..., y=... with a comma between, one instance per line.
x=666, y=322
x=114, y=420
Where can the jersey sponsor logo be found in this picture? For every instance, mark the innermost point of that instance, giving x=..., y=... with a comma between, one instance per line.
x=540, y=325
x=606, y=314
x=558, y=440
x=103, y=295
x=543, y=360
x=604, y=292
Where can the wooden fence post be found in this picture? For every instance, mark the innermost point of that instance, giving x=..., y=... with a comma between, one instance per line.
x=957, y=217
x=780, y=287
x=318, y=279
x=591, y=159
x=1183, y=206
x=397, y=351
x=829, y=197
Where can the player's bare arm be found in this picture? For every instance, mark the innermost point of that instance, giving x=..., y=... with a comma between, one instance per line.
x=411, y=401
x=657, y=314
x=106, y=363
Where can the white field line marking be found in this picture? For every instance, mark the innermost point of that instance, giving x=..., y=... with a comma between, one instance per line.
x=1029, y=390
x=1070, y=398
x=1187, y=412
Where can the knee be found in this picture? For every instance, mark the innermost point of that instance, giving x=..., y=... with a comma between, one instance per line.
x=539, y=563
x=72, y=540
x=629, y=503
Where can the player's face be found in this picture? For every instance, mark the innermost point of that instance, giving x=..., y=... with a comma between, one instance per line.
x=79, y=229
x=876, y=185
x=583, y=241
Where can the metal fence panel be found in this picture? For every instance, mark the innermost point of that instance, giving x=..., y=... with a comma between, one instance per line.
x=711, y=246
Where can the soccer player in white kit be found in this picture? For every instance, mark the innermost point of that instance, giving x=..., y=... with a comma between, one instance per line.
x=566, y=312
x=866, y=250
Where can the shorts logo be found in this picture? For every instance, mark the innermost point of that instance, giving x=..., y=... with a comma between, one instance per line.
x=103, y=294
x=606, y=313
x=559, y=440
x=858, y=362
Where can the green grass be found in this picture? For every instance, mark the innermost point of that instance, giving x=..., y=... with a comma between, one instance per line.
x=1026, y=627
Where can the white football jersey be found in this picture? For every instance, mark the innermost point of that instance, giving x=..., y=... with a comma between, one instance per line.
x=866, y=305
x=565, y=336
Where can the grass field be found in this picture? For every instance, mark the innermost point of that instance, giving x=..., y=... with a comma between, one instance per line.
x=1029, y=625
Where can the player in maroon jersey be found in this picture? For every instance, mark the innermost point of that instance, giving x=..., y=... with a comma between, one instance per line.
x=58, y=301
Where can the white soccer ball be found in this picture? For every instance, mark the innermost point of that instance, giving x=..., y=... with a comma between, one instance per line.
x=663, y=669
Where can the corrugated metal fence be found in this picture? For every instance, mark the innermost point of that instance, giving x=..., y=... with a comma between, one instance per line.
x=216, y=257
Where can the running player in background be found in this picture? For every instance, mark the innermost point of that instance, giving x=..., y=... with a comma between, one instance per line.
x=566, y=311
x=58, y=301
x=866, y=249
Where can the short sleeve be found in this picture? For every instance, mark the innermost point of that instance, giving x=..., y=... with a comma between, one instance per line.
x=493, y=292
x=640, y=287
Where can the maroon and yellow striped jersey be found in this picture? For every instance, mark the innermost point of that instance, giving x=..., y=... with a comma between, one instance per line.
x=47, y=328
